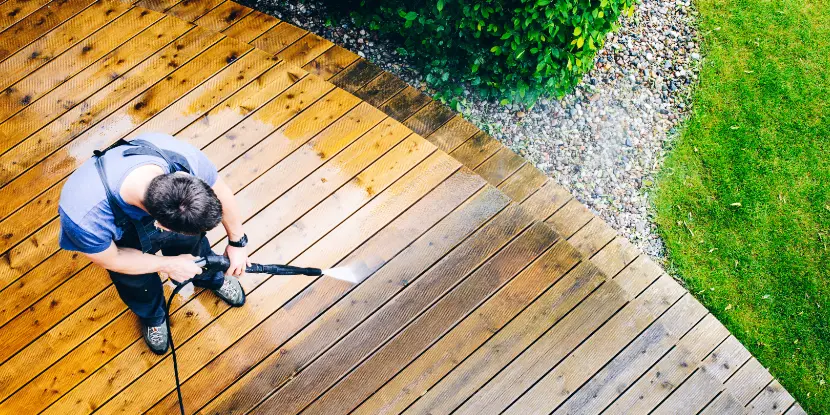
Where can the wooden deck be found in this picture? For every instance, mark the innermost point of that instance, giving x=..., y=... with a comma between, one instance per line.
x=490, y=289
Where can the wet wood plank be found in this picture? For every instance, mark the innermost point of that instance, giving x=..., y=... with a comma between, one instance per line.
x=527, y=180
x=191, y=10
x=278, y=38
x=405, y=103
x=223, y=16
x=331, y=62
x=500, y=166
x=381, y=89
x=37, y=24
x=452, y=134
x=48, y=47
x=13, y=11
x=251, y=26
x=77, y=61
x=356, y=76
x=429, y=118
x=368, y=296
x=304, y=50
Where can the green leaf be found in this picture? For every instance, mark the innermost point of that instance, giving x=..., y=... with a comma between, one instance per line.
x=580, y=42
x=440, y=5
x=411, y=16
x=577, y=31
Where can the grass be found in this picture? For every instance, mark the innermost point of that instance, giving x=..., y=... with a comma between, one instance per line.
x=743, y=201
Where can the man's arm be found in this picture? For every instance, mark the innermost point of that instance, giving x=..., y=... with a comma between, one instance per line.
x=134, y=262
x=232, y=221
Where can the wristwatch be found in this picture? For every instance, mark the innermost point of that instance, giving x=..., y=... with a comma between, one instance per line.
x=240, y=243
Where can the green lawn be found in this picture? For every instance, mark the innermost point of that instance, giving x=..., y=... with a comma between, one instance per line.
x=743, y=202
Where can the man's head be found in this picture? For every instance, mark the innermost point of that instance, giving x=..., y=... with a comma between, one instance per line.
x=183, y=203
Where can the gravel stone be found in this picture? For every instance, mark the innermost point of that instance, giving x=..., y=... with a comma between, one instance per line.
x=606, y=140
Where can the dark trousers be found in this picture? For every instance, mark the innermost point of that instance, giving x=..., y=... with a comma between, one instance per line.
x=143, y=293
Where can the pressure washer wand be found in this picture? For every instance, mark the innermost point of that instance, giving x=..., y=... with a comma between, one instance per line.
x=222, y=263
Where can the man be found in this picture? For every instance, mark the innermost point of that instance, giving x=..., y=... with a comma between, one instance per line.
x=152, y=194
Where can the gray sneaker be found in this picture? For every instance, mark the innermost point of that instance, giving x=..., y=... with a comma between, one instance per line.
x=231, y=292
x=156, y=338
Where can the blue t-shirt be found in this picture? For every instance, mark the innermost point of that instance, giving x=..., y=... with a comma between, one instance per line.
x=87, y=222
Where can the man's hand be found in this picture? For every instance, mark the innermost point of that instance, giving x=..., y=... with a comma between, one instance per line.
x=239, y=260
x=180, y=268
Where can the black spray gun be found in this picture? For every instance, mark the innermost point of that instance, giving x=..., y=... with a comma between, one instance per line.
x=214, y=263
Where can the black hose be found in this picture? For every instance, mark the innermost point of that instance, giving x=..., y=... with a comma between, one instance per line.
x=213, y=263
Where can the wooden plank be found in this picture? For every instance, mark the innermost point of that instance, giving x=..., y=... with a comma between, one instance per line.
x=134, y=105
x=13, y=11
x=570, y=218
x=212, y=341
x=304, y=50
x=670, y=371
x=21, y=259
x=37, y=24
x=500, y=166
x=437, y=279
x=24, y=293
x=417, y=379
x=331, y=62
x=248, y=101
x=592, y=237
x=547, y=200
x=358, y=304
x=524, y=182
x=705, y=383
x=267, y=127
x=59, y=303
x=160, y=6
x=748, y=381
x=78, y=89
x=46, y=48
x=452, y=134
x=278, y=38
x=477, y=149
x=356, y=76
x=405, y=103
x=773, y=399
x=558, y=344
x=567, y=376
x=637, y=357
x=615, y=256
x=796, y=409
x=77, y=60
x=400, y=312
x=429, y=118
x=87, y=358
x=489, y=305
x=724, y=404
x=381, y=89
x=276, y=203
x=130, y=362
x=191, y=10
x=223, y=16
x=251, y=26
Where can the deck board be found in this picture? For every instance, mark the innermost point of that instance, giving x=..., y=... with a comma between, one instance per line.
x=489, y=287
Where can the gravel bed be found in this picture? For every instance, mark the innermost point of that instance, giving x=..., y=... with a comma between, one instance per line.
x=605, y=141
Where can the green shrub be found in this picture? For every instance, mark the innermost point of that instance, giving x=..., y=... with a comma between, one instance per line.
x=511, y=49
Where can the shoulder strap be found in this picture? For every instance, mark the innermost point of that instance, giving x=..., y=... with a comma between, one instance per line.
x=172, y=158
x=121, y=218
